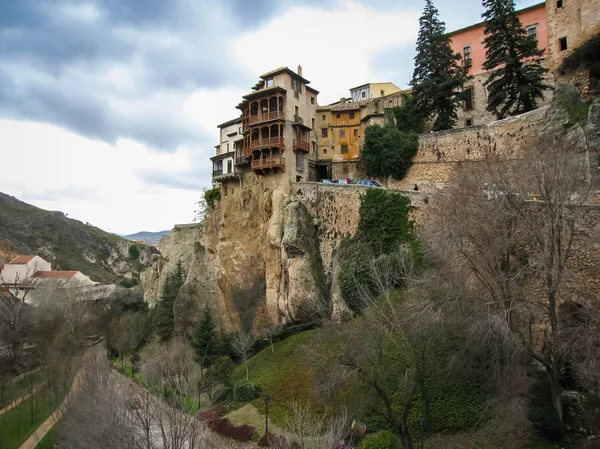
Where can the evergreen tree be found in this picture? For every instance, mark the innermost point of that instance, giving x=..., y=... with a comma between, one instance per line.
x=517, y=80
x=164, y=314
x=438, y=78
x=205, y=340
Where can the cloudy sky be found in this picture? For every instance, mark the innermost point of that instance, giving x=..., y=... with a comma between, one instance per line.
x=108, y=108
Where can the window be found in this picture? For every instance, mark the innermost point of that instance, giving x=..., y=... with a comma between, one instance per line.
x=469, y=122
x=355, y=132
x=240, y=130
x=300, y=161
x=383, y=93
x=344, y=149
x=324, y=150
x=469, y=99
x=342, y=133
x=563, y=44
x=312, y=100
x=532, y=32
x=323, y=132
x=270, y=82
x=323, y=117
x=352, y=116
x=297, y=85
x=467, y=56
x=559, y=4
x=229, y=166
x=337, y=115
x=363, y=94
x=228, y=147
x=313, y=123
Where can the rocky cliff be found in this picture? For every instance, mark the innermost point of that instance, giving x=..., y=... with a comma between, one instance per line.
x=68, y=244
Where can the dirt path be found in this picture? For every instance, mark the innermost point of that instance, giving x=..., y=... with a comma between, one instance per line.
x=17, y=401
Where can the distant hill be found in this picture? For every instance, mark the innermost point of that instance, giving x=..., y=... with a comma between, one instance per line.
x=68, y=244
x=151, y=238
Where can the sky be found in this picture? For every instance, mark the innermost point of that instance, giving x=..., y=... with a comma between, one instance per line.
x=109, y=108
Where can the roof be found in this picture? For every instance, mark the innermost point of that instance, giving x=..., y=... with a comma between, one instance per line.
x=283, y=70
x=21, y=260
x=368, y=84
x=230, y=122
x=55, y=274
x=352, y=106
x=261, y=92
x=478, y=24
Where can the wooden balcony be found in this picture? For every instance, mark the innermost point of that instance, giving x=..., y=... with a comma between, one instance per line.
x=242, y=160
x=277, y=115
x=267, y=162
x=269, y=142
x=301, y=145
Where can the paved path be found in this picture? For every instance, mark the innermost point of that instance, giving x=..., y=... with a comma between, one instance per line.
x=17, y=401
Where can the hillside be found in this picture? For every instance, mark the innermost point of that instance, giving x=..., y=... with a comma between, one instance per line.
x=151, y=238
x=68, y=244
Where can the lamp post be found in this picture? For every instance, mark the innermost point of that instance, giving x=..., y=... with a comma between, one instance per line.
x=267, y=399
x=422, y=421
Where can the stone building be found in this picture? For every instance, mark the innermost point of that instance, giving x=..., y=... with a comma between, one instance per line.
x=468, y=42
x=570, y=24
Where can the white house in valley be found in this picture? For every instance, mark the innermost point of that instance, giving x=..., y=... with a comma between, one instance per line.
x=31, y=277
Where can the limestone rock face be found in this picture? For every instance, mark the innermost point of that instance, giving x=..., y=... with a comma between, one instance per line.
x=306, y=289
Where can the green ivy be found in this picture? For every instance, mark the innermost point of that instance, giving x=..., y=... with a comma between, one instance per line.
x=383, y=230
x=212, y=195
x=381, y=440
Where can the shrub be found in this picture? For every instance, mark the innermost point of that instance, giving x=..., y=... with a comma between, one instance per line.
x=272, y=439
x=381, y=440
x=129, y=282
x=215, y=422
x=243, y=391
x=222, y=395
x=212, y=195
x=134, y=252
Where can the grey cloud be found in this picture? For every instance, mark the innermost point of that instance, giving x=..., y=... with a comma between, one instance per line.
x=72, y=192
x=182, y=180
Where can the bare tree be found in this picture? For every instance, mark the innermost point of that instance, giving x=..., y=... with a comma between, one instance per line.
x=309, y=430
x=264, y=327
x=242, y=346
x=513, y=236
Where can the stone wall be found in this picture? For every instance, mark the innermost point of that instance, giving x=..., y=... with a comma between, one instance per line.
x=440, y=153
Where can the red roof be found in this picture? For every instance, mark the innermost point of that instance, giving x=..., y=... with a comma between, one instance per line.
x=55, y=274
x=21, y=260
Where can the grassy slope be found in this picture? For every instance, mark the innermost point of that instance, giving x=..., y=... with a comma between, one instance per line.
x=283, y=375
x=20, y=386
x=27, y=229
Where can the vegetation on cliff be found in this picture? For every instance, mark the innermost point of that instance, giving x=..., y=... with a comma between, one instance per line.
x=68, y=244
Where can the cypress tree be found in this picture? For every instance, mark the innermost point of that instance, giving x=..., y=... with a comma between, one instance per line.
x=517, y=80
x=165, y=315
x=438, y=77
x=205, y=340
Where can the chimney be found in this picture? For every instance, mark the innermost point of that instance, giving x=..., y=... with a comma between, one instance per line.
x=300, y=70
x=342, y=100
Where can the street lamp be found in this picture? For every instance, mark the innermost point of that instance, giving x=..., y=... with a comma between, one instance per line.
x=422, y=421
x=267, y=399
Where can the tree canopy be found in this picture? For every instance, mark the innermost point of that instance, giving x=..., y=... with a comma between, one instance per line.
x=517, y=78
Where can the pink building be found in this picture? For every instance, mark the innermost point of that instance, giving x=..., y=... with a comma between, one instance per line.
x=469, y=41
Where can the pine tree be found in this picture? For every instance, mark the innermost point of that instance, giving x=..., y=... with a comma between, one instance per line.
x=438, y=78
x=205, y=340
x=165, y=315
x=517, y=80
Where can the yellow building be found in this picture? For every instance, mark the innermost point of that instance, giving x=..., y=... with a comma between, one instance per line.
x=341, y=130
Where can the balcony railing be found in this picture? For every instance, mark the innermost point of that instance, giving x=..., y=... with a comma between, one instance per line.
x=301, y=145
x=277, y=115
x=268, y=142
x=267, y=162
x=217, y=172
x=241, y=160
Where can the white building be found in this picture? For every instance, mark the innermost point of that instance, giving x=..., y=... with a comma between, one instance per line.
x=229, y=149
x=23, y=267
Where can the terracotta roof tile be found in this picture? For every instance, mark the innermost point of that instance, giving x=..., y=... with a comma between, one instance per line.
x=21, y=260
